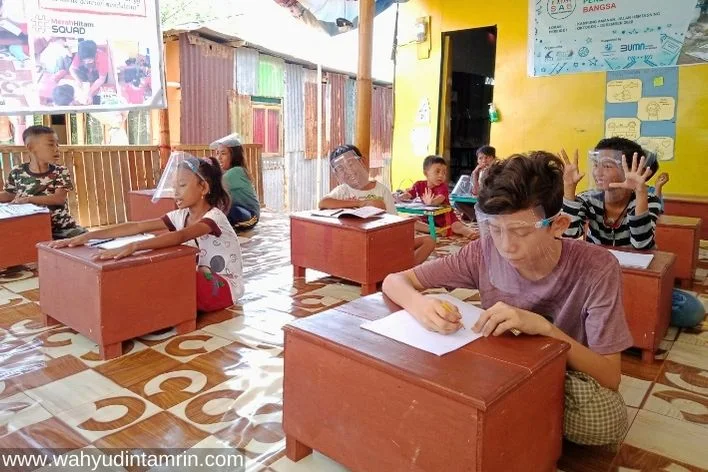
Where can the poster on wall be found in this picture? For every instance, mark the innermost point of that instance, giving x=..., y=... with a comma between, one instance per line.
x=641, y=105
x=79, y=55
x=573, y=36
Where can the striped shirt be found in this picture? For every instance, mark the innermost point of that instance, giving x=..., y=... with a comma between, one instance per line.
x=636, y=231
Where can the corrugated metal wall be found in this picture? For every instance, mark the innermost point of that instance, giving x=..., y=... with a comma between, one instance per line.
x=241, y=116
x=246, y=71
x=206, y=76
x=271, y=71
x=350, y=110
x=381, y=125
x=338, y=98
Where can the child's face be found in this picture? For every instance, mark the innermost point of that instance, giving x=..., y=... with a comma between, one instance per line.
x=436, y=174
x=606, y=170
x=45, y=148
x=484, y=160
x=223, y=154
x=189, y=189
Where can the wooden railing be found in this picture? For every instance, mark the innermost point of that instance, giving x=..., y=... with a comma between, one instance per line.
x=103, y=176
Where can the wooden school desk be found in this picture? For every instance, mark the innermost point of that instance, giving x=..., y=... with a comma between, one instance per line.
x=141, y=207
x=693, y=206
x=19, y=237
x=372, y=403
x=682, y=236
x=363, y=251
x=646, y=295
x=113, y=301
x=430, y=213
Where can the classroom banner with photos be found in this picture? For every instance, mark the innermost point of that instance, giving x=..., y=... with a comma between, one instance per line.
x=58, y=56
x=572, y=36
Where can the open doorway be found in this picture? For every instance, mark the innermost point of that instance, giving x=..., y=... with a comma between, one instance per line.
x=466, y=91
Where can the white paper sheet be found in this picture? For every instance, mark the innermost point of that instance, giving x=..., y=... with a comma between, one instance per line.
x=120, y=242
x=632, y=259
x=12, y=210
x=402, y=327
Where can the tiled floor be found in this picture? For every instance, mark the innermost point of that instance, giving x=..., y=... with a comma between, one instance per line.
x=221, y=386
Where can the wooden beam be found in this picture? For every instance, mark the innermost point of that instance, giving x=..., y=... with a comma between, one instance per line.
x=363, y=78
x=165, y=147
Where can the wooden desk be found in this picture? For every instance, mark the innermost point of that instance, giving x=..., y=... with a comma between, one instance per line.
x=646, y=297
x=141, y=207
x=682, y=236
x=363, y=251
x=688, y=205
x=372, y=403
x=19, y=238
x=113, y=301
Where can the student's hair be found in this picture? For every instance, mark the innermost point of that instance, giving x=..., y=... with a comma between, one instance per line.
x=63, y=95
x=36, y=130
x=343, y=149
x=432, y=160
x=237, y=158
x=218, y=197
x=627, y=147
x=87, y=49
x=487, y=151
x=131, y=75
x=523, y=181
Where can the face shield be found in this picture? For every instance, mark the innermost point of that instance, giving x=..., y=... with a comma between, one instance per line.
x=229, y=141
x=349, y=170
x=517, y=246
x=606, y=168
x=166, y=188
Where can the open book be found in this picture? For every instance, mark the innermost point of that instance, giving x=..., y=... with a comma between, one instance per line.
x=363, y=212
x=633, y=259
x=402, y=327
x=14, y=210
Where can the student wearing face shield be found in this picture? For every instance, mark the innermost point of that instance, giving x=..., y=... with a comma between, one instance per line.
x=534, y=282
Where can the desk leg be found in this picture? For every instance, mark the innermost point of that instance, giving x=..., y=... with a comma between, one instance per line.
x=431, y=227
x=295, y=450
x=49, y=321
x=368, y=289
x=647, y=356
x=110, y=351
x=298, y=271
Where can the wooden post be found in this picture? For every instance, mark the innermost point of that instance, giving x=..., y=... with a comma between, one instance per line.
x=165, y=147
x=363, y=78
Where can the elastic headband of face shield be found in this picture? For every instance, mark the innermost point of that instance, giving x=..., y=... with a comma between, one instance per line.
x=232, y=140
x=538, y=214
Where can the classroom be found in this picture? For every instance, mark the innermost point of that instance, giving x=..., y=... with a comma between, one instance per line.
x=426, y=235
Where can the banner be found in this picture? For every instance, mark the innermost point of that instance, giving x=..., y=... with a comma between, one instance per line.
x=58, y=56
x=571, y=36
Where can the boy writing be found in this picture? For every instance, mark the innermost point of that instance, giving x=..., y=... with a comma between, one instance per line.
x=41, y=182
x=356, y=190
x=533, y=281
x=433, y=191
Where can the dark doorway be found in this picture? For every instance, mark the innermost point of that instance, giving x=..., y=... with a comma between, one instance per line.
x=467, y=90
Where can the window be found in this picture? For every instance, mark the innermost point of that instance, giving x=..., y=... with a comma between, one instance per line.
x=267, y=125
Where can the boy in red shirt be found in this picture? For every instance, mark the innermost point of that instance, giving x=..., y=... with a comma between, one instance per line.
x=434, y=191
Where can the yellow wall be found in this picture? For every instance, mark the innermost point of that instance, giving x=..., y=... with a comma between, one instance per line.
x=536, y=113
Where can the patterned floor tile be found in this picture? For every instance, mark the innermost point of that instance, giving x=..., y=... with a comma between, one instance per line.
x=8, y=298
x=678, y=404
x=633, y=390
x=65, y=341
x=160, y=431
x=692, y=355
x=19, y=411
x=315, y=462
x=186, y=347
x=687, y=378
x=632, y=459
x=48, y=434
x=73, y=391
x=23, y=285
x=669, y=437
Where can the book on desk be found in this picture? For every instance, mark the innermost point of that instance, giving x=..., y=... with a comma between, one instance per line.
x=363, y=212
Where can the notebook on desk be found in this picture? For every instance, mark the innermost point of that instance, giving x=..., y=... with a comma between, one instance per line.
x=363, y=212
x=15, y=210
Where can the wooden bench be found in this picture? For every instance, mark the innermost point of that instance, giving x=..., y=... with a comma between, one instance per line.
x=19, y=237
x=141, y=207
x=646, y=296
x=681, y=236
x=113, y=301
x=363, y=251
x=688, y=205
x=372, y=403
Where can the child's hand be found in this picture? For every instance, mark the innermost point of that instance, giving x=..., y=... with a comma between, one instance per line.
x=438, y=316
x=662, y=180
x=117, y=253
x=378, y=203
x=79, y=240
x=21, y=200
x=636, y=177
x=427, y=196
x=502, y=317
x=571, y=170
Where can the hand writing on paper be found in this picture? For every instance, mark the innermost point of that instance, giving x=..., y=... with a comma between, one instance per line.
x=21, y=200
x=502, y=317
x=117, y=253
x=79, y=240
x=427, y=197
x=571, y=170
x=636, y=177
x=438, y=316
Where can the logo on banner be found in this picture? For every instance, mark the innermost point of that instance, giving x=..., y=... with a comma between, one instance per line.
x=561, y=9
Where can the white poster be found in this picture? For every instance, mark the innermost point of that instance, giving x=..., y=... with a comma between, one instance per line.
x=79, y=55
x=571, y=36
